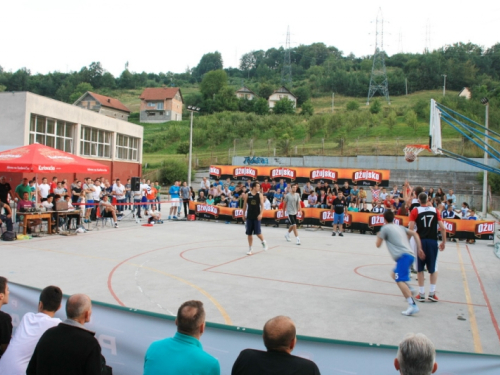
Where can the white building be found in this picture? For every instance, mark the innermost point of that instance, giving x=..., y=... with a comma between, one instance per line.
x=279, y=94
x=26, y=118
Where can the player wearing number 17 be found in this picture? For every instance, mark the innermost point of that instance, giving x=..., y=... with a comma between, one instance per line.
x=253, y=205
x=427, y=219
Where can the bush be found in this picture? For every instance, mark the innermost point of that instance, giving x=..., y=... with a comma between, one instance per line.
x=307, y=108
x=183, y=148
x=352, y=105
x=174, y=170
x=284, y=106
x=375, y=107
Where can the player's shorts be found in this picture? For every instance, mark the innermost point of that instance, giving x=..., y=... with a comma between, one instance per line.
x=338, y=218
x=292, y=219
x=253, y=227
x=430, y=248
x=402, y=269
x=89, y=205
x=175, y=202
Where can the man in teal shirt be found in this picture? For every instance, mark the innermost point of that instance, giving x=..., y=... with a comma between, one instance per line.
x=183, y=353
x=22, y=188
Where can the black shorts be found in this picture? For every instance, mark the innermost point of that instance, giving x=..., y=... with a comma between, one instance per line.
x=292, y=219
x=253, y=227
x=430, y=248
x=107, y=213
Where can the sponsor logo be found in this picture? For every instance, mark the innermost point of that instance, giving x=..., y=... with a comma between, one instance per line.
x=283, y=173
x=207, y=209
x=60, y=157
x=46, y=168
x=245, y=172
x=450, y=226
x=281, y=215
x=397, y=221
x=325, y=174
x=326, y=216
x=367, y=176
x=485, y=228
x=9, y=156
x=238, y=213
x=376, y=220
x=214, y=171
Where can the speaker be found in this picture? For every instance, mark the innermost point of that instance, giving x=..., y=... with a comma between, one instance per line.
x=135, y=183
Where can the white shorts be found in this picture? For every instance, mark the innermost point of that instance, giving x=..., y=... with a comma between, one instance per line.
x=175, y=202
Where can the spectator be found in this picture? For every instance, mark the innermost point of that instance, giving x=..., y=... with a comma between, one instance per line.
x=451, y=196
x=228, y=192
x=44, y=188
x=312, y=200
x=108, y=210
x=24, y=203
x=397, y=204
x=465, y=210
x=33, y=190
x=5, y=319
x=449, y=213
x=307, y=191
x=416, y=356
x=352, y=208
x=174, y=198
x=213, y=191
x=265, y=186
x=383, y=194
x=282, y=185
x=22, y=188
x=60, y=189
x=362, y=199
x=267, y=204
x=431, y=193
x=6, y=215
x=440, y=194
x=280, y=340
x=327, y=188
x=5, y=190
x=183, y=353
x=88, y=189
x=185, y=195
x=321, y=203
x=204, y=186
x=354, y=195
x=234, y=202
x=335, y=189
x=76, y=191
x=231, y=187
x=128, y=195
x=28, y=332
x=395, y=192
x=155, y=215
x=53, y=185
x=210, y=199
x=137, y=198
x=201, y=197
x=69, y=348
x=378, y=208
x=329, y=200
x=278, y=197
x=119, y=195
x=192, y=193
x=47, y=203
x=375, y=193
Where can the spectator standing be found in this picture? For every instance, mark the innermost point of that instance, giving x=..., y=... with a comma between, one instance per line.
x=88, y=189
x=292, y=206
x=157, y=186
x=69, y=348
x=22, y=188
x=280, y=340
x=32, y=184
x=98, y=193
x=137, y=197
x=76, y=191
x=44, y=188
x=5, y=190
x=128, y=195
x=18, y=354
x=362, y=198
x=53, y=185
x=5, y=319
x=119, y=195
x=183, y=353
x=174, y=198
x=60, y=189
x=185, y=194
x=375, y=193
x=6, y=215
x=339, y=204
x=416, y=355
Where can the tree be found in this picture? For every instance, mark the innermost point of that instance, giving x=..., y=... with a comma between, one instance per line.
x=265, y=90
x=392, y=120
x=212, y=83
x=353, y=105
x=126, y=80
x=303, y=94
x=80, y=89
x=174, y=170
x=411, y=120
x=284, y=106
x=225, y=99
x=95, y=74
x=307, y=108
x=108, y=81
x=209, y=62
x=375, y=107
x=247, y=63
x=183, y=148
x=261, y=106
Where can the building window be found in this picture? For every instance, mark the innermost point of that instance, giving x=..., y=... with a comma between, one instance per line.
x=159, y=105
x=127, y=148
x=151, y=104
x=95, y=142
x=50, y=132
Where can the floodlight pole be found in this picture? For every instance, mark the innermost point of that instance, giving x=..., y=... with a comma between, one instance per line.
x=444, y=84
x=485, y=176
x=192, y=110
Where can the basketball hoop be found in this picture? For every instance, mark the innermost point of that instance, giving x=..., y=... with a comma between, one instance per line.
x=412, y=151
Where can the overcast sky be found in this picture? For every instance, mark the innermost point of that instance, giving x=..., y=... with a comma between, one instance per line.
x=162, y=35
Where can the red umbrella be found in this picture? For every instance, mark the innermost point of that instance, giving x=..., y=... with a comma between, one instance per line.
x=38, y=158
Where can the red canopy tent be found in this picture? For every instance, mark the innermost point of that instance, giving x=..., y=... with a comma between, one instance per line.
x=37, y=158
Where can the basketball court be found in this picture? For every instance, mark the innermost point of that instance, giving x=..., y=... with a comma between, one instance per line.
x=332, y=287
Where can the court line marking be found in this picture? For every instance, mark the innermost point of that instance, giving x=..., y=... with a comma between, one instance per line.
x=485, y=295
x=476, y=338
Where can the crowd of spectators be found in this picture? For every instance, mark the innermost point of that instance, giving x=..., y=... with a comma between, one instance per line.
x=43, y=344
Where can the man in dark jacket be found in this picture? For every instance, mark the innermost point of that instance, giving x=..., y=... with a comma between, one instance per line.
x=68, y=348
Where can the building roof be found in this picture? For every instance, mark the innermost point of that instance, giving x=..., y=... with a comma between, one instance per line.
x=245, y=90
x=160, y=93
x=284, y=90
x=106, y=101
x=465, y=88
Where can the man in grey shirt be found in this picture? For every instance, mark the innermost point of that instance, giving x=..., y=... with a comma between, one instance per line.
x=291, y=204
x=396, y=237
x=186, y=197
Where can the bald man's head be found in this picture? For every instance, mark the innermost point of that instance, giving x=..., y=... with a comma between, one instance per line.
x=77, y=305
x=279, y=333
x=190, y=317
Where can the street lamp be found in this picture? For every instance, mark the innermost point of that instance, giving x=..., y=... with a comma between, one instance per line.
x=485, y=101
x=191, y=109
x=444, y=84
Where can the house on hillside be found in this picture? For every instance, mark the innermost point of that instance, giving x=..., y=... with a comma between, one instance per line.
x=103, y=104
x=161, y=104
x=465, y=93
x=279, y=94
x=245, y=93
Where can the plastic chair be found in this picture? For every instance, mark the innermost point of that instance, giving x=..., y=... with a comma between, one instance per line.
x=103, y=219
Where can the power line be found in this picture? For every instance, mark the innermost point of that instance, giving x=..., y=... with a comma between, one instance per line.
x=286, y=72
x=378, y=79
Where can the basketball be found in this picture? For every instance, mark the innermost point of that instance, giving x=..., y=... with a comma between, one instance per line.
x=410, y=158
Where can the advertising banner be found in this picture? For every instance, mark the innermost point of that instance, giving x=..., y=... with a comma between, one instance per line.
x=364, y=221
x=125, y=334
x=360, y=177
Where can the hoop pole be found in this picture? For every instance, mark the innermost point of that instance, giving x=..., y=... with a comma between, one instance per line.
x=485, y=175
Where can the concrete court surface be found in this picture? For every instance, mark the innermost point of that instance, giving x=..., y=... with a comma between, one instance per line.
x=332, y=287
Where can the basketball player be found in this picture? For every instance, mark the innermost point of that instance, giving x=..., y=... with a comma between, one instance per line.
x=253, y=206
x=412, y=201
x=427, y=220
x=291, y=203
x=396, y=238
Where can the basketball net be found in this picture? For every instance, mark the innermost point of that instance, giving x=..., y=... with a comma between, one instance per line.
x=412, y=151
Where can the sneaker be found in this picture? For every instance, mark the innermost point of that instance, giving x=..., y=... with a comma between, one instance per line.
x=298, y=242
x=412, y=309
x=264, y=246
x=139, y=217
x=170, y=218
x=287, y=237
x=334, y=234
x=432, y=297
x=341, y=234
x=249, y=252
x=420, y=298
x=116, y=225
x=174, y=217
